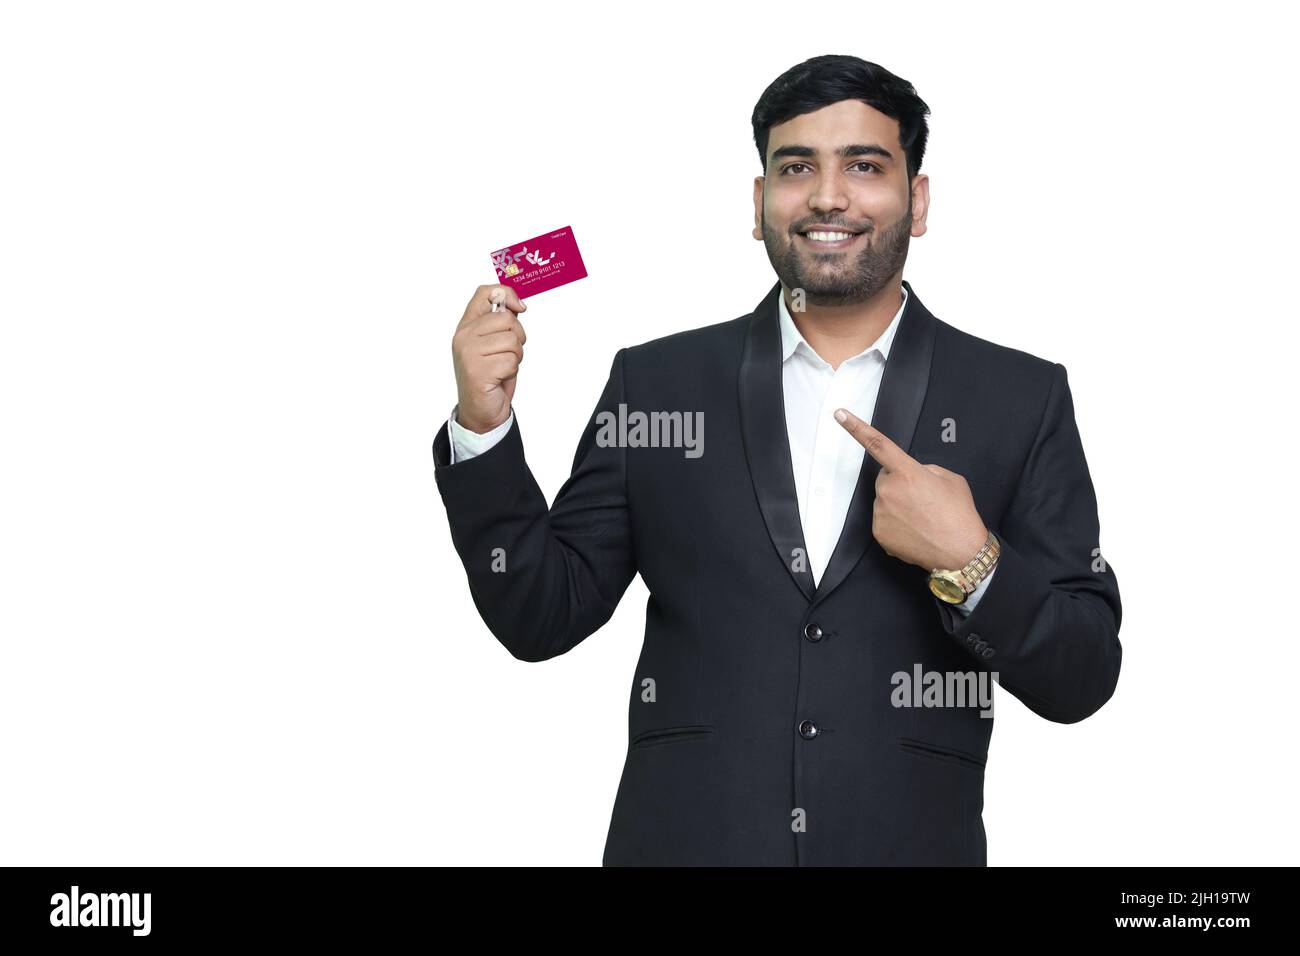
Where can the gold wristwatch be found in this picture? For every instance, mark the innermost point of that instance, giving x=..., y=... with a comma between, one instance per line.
x=956, y=586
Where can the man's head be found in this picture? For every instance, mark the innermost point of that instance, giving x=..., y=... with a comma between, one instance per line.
x=841, y=142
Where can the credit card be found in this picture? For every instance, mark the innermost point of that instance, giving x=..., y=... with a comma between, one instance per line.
x=539, y=264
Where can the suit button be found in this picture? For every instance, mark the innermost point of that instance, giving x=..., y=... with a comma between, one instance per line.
x=807, y=730
x=813, y=633
x=987, y=653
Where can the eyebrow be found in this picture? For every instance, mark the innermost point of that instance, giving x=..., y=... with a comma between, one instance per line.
x=854, y=149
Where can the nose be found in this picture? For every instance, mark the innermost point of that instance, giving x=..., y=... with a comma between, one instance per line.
x=828, y=194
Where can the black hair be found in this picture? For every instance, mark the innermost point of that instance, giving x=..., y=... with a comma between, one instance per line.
x=828, y=79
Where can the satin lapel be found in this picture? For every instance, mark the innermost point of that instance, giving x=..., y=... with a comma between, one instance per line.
x=767, y=443
x=898, y=406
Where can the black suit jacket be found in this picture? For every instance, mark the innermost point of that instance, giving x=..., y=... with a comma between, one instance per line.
x=773, y=737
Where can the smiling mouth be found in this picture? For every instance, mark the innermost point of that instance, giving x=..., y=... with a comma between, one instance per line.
x=829, y=240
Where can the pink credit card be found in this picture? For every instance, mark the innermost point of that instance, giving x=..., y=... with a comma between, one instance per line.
x=539, y=264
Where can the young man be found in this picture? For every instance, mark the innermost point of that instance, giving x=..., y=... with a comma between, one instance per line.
x=890, y=512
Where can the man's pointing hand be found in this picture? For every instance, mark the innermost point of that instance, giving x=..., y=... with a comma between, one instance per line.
x=924, y=514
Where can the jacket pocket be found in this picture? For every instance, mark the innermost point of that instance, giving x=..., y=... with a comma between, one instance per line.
x=668, y=735
x=927, y=749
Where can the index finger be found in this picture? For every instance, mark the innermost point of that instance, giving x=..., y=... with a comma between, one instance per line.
x=878, y=445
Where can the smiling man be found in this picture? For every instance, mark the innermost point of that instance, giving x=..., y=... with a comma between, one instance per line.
x=883, y=495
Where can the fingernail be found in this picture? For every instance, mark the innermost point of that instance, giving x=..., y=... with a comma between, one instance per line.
x=841, y=415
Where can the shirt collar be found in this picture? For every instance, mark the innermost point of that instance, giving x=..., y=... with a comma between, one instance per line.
x=791, y=338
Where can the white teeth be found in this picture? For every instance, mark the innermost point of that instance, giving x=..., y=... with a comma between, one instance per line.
x=829, y=236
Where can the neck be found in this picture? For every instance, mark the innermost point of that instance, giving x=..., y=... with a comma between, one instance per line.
x=839, y=332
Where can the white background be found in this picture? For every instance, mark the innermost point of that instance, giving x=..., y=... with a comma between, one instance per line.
x=236, y=239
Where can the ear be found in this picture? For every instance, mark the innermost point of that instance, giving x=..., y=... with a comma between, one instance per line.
x=920, y=203
x=758, y=207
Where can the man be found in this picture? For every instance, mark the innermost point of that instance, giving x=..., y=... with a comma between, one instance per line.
x=808, y=577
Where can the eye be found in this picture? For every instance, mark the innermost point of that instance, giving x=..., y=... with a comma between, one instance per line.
x=863, y=162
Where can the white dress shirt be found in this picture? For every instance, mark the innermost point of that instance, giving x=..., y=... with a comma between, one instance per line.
x=826, y=458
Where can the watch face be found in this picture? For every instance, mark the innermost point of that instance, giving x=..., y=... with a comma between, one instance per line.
x=947, y=590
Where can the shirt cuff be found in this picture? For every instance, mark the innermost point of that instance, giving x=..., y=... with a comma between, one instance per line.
x=466, y=444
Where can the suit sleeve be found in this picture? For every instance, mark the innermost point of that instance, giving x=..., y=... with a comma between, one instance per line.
x=1049, y=622
x=543, y=580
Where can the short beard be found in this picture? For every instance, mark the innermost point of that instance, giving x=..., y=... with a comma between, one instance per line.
x=849, y=284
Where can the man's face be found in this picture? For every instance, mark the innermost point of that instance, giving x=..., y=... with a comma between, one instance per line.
x=810, y=182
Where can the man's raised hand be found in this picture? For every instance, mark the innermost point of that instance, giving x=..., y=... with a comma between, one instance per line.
x=486, y=350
